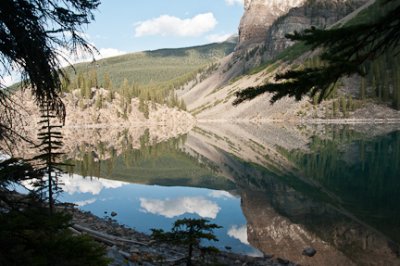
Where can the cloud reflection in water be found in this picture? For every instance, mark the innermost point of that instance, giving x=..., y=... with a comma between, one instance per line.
x=78, y=184
x=178, y=206
x=239, y=233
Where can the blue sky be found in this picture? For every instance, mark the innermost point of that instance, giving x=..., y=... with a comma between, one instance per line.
x=129, y=26
x=123, y=26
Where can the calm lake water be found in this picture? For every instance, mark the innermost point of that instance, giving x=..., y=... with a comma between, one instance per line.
x=275, y=189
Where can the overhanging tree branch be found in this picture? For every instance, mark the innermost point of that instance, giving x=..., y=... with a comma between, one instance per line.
x=345, y=50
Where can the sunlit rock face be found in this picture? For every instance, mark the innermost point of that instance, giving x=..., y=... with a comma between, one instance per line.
x=259, y=15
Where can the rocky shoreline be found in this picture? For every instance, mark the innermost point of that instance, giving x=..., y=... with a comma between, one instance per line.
x=126, y=246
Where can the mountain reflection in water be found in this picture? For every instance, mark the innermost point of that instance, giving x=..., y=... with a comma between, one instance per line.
x=277, y=188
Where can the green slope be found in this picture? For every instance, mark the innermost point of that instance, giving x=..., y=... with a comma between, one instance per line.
x=156, y=67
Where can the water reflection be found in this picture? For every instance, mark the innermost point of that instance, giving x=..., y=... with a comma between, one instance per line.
x=135, y=208
x=313, y=193
x=171, y=208
x=279, y=188
x=239, y=232
x=76, y=184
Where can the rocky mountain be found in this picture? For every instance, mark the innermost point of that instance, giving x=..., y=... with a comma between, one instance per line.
x=266, y=22
x=263, y=51
x=320, y=14
x=258, y=16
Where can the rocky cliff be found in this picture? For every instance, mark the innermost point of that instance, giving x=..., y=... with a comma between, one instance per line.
x=258, y=16
x=265, y=23
x=319, y=13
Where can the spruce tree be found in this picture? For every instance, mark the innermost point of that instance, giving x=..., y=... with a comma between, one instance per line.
x=189, y=232
x=107, y=84
x=49, y=146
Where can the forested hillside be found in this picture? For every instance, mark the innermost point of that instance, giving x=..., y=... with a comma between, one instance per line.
x=149, y=75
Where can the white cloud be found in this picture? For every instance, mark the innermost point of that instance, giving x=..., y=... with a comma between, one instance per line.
x=85, y=202
x=4, y=156
x=239, y=233
x=109, y=52
x=218, y=37
x=79, y=184
x=66, y=58
x=175, y=207
x=234, y=2
x=7, y=80
x=166, y=25
x=220, y=194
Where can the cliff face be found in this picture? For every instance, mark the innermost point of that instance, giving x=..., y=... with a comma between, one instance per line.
x=265, y=22
x=259, y=16
x=320, y=14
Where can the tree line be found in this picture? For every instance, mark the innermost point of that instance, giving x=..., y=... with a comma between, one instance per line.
x=157, y=93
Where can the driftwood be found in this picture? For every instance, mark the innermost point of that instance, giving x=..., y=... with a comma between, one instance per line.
x=110, y=239
x=114, y=240
x=74, y=231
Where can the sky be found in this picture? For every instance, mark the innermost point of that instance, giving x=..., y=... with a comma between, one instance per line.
x=122, y=26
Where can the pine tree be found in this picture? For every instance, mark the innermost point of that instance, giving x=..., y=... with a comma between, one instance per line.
x=99, y=101
x=50, y=143
x=144, y=108
x=350, y=104
x=343, y=105
x=93, y=82
x=363, y=88
x=125, y=89
x=107, y=84
x=182, y=105
x=110, y=95
x=87, y=90
x=189, y=232
x=334, y=108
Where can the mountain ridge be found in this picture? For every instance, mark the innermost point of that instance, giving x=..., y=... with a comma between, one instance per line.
x=256, y=63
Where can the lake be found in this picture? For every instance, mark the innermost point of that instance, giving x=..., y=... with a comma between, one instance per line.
x=274, y=188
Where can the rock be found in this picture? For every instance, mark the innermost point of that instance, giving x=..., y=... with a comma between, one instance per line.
x=115, y=256
x=228, y=247
x=282, y=261
x=134, y=250
x=258, y=16
x=264, y=24
x=309, y=251
x=267, y=256
x=113, y=214
x=320, y=13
